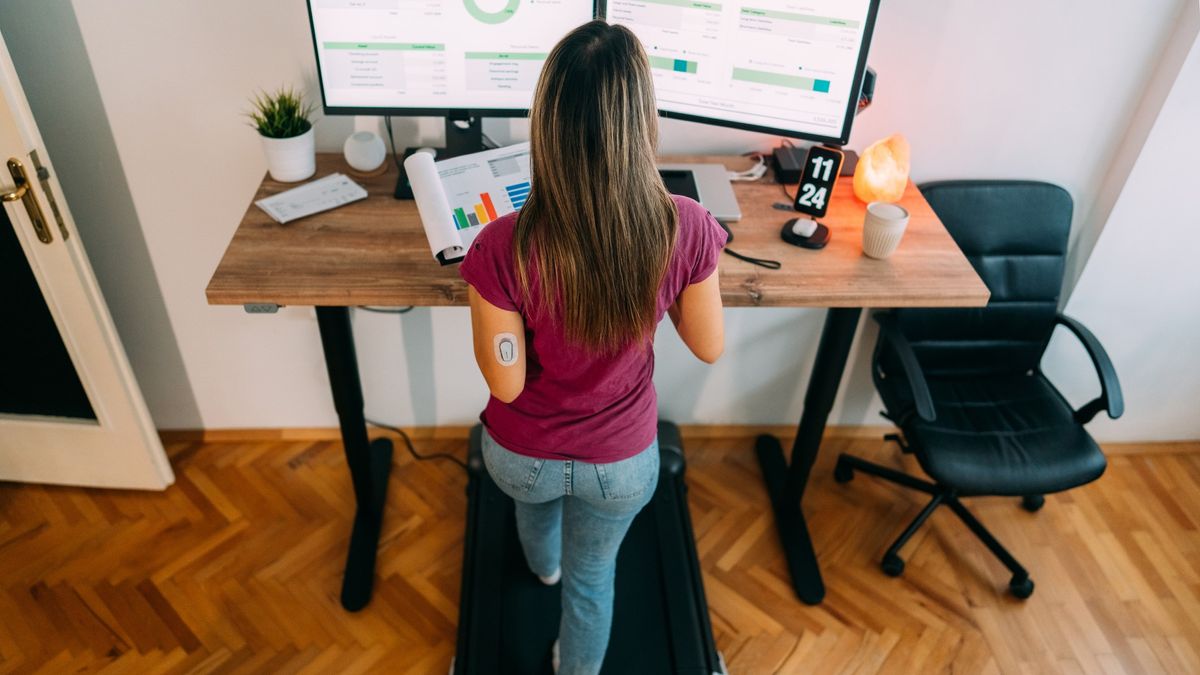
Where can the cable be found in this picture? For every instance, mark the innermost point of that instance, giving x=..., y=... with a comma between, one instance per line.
x=412, y=450
x=385, y=310
x=761, y=262
x=387, y=123
x=753, y=173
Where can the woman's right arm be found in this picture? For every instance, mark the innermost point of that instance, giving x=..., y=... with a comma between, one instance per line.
x=698, y=318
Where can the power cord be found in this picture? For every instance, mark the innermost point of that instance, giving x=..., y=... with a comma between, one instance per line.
x=387, y=123
x=412, y=450
x=753, y=173
x=397, y=430
x=761, y=262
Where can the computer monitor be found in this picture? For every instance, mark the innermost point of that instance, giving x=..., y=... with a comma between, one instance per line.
x=436, y=57
x=787, y=67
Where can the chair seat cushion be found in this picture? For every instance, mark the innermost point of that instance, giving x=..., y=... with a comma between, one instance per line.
x=998, y=435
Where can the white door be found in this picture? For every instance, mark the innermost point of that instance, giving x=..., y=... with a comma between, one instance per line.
x=70, y=410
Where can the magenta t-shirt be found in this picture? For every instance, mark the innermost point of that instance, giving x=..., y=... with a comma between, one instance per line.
x=577, y=405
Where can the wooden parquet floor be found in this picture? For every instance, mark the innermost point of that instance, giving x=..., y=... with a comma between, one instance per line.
x=236, y=569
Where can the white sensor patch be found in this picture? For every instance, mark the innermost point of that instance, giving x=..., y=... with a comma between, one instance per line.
x=506, y=348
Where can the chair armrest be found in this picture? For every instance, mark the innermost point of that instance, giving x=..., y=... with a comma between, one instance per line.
x=1110, y=398
x=890, y=334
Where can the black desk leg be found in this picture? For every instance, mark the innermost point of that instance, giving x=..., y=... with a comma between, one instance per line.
x=369, y=461
x=785, y=483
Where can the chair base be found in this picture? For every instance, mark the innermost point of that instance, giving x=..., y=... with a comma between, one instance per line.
x=1020, y=585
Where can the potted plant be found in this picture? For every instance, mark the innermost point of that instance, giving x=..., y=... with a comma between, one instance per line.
x=282, y=120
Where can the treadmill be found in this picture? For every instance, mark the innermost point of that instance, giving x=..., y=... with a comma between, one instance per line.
x=508, y=620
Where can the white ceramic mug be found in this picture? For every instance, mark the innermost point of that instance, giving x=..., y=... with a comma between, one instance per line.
x=884, y=226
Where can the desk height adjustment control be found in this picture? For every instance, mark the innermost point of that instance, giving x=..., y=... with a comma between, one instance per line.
x=260, y=307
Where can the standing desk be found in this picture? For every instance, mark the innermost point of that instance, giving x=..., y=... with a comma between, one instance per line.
x=374, y=252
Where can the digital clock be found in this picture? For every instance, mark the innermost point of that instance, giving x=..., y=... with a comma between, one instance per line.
x=821, y=169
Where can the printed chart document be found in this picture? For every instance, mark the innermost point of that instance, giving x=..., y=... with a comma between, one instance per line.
x=456, y=197
x=320, y=195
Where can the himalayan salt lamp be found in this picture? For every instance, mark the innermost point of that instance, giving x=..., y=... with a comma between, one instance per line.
x=882, y=172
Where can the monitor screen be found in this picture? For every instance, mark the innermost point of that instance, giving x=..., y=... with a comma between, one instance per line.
x=789, y=67
x=430, y=56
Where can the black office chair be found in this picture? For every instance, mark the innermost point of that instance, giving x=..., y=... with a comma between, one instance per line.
x=965, y=386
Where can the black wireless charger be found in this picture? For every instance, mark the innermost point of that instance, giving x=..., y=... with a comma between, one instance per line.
x=818, y=238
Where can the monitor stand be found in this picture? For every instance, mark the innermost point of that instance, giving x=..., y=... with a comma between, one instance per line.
x=460, y=140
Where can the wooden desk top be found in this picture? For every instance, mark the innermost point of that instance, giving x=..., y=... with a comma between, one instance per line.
x=374, y=252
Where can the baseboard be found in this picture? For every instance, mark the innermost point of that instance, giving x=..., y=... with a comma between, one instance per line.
x=691, y=432
x=300, y=434
x=1151, y=448
x=460, y=432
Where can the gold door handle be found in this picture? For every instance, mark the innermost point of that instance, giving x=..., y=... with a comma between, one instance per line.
x=13, y=196
x=26, y=196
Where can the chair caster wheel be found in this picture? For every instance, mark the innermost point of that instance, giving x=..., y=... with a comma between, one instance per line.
x=1033, y=503
x=892, y=565
x=1021, y=588
x=842, y=472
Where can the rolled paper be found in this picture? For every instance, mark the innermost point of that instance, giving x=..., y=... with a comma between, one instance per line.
x=432, y=205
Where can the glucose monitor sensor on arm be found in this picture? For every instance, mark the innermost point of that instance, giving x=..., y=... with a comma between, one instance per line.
x=506, y=348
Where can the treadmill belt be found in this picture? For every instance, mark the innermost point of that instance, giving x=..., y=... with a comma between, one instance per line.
x=530, y=613
x=509, y=620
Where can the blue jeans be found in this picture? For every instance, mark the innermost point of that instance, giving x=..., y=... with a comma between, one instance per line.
x=574, y=514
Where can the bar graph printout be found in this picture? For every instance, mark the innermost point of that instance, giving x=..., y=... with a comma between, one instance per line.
x=457, y=197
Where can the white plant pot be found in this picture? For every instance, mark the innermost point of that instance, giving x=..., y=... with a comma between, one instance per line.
x=291, y=159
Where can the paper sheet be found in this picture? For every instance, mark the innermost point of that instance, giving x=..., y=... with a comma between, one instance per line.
x=320, y=195
x=457, y=197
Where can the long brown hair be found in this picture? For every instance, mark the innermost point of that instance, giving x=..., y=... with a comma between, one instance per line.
x=599, y=224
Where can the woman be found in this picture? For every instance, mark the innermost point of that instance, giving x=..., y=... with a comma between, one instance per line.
x=565, y=298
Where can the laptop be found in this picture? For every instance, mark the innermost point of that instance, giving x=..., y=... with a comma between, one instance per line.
x=707, y=184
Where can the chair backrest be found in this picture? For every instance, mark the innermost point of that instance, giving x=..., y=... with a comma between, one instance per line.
x=1015, y=235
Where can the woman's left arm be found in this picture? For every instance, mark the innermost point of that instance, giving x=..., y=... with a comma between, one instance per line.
x=499, y=337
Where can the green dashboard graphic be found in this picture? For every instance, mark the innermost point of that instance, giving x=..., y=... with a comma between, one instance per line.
x=499, y=16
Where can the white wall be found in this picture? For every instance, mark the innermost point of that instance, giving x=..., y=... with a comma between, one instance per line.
x=66, y=102
x=1140, y=292
x=1018, y=89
